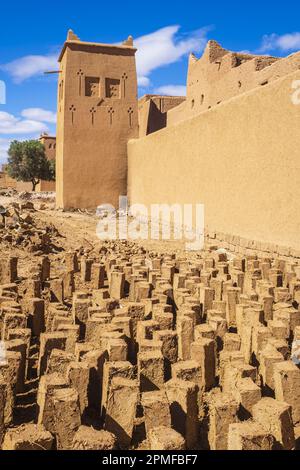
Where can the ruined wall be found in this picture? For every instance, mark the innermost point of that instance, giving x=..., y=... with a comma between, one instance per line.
x=97, y=114
x=220, y=75
x=241, y=159
x=5, y=180
x=153, y=110
x=24, y=186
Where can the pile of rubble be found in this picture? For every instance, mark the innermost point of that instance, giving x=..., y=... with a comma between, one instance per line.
x=8, y=192
x=18, y=228
x=34, y=196
x=135, y=349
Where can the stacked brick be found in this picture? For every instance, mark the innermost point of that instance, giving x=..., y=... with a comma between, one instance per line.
x=135, y=349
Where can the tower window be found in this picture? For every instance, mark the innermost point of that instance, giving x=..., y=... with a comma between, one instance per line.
x=92, y=86
x=112, y=88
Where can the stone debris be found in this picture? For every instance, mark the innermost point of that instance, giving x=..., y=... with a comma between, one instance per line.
x=28, y=437
x=87, y=438
x=164, y=438
x=19, y=228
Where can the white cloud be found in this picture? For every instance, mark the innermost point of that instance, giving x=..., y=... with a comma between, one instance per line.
x=4, y=146
x=164, y=47
x=171, y=90
x=160, y=48
x=9, y=124
x=2, y=92
x=39, y=114
x=144, y=82
x=29, y=66
x=284, y=43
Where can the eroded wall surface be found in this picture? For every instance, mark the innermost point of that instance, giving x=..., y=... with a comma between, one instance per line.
x=220, y=75
x=241, y=159
x=6, y=181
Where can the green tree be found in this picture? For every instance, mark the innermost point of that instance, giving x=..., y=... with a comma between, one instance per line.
x=27, y=162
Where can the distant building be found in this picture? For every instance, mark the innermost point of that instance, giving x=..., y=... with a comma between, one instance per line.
x=49, y=143
x=153, y=112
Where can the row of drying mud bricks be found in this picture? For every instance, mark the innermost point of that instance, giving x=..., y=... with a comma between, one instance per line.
x=245, y=246
x=197, y=350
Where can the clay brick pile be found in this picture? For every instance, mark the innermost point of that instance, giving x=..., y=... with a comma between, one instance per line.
x=19, y=229
x=134, y=349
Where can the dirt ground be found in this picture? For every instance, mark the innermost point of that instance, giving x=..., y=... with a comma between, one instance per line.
x=76, y=230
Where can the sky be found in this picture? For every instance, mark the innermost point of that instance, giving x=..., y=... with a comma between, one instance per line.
x=165, y=33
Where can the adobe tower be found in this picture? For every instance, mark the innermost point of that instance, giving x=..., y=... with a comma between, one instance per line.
x=97, y=115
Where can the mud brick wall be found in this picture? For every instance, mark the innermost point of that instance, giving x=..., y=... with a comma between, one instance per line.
x=243, y=166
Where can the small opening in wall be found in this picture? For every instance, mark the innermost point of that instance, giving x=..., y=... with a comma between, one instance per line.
x=61, y=90
x=265, y=82
x=92, y=86
x=240, y=84
x=112, y=88
x=193, y=103
x=202, y=99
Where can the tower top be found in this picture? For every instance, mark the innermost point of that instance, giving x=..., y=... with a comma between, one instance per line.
x=74, y=43
x=214, y=51
x=72, y=36
x=128, y=41
x=192, y=59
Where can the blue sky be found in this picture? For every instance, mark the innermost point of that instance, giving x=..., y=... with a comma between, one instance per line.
x=32, y=33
